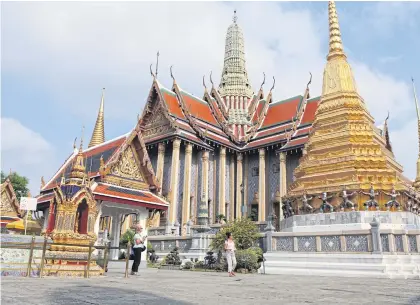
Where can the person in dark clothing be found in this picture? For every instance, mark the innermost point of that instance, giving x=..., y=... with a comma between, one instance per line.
x=138, y=248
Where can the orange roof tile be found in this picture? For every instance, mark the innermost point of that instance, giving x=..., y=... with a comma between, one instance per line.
x=130, y=196
x=309, y=115
x=172, y=103
x=199, y=109
x=282, y=111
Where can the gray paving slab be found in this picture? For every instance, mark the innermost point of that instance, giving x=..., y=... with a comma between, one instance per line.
x=161, y=287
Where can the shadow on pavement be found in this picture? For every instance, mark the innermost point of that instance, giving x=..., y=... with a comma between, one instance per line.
x=414, y=301
x=95, y=294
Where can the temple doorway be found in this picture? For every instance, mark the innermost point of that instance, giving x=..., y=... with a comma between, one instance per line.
x=81, y=218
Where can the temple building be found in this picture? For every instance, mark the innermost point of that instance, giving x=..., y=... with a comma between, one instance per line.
x=235, y=148
x=9, y=206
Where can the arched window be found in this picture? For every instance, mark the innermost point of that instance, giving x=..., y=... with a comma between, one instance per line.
x=81, y=225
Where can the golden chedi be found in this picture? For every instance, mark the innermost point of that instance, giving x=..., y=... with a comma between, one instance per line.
x=344, y=149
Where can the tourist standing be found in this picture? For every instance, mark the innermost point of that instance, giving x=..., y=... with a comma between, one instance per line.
x=230, y=253
x=138, y=248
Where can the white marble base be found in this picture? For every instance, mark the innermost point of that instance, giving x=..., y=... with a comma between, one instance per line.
x=345, y=221
x=343, y=265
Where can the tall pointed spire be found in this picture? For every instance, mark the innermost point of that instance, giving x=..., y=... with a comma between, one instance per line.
x=234, y=80
x=98, y=135
x=338, y=76
x=335, y=45
x=417, y=181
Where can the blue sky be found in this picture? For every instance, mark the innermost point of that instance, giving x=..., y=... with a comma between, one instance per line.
x=56, y=57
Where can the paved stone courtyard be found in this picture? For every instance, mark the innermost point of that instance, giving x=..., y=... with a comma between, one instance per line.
x=155, y=287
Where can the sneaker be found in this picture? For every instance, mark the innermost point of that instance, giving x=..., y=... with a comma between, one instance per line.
x=133, y=273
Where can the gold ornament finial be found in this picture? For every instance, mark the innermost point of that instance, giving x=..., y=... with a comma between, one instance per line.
x=81, y=140
x=42, y=182
x=417, y=181
x=415, y=99
x=336, y=44
x=98, y=135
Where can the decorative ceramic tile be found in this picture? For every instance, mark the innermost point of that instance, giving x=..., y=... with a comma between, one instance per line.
x=357, y=243
x=184, y=245
x=284, y=244
x=181, y=174
x=412, y=243
x=156, y=245
x=330, y=243
x=306, y=244
x=399, y=243
x=252, y=180
x=385, y=242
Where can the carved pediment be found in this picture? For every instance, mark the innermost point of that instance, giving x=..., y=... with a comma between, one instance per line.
x=126, y=167
x=157, y=124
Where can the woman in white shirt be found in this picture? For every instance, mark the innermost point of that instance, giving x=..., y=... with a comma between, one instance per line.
x=138, y=248
x=230, y=253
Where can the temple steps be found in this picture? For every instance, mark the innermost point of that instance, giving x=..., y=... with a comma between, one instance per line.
x=343, y=265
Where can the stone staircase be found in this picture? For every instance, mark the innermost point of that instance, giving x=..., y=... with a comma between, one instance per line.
x=343, y=265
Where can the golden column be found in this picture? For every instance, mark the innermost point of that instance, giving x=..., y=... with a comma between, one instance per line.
x=261, y=186
x=232, y=187
x=187, y=186
x=239, y=186
x=283, y=181
x=245, y=185
x=160, y=163
x=205, y=178
x=222, y=179
x=174, y=181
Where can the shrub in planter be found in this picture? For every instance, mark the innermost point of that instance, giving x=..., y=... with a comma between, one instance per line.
x=199, y=264
x=173, y=257
x=259, y=253
x=247, y=259
x=210, y=260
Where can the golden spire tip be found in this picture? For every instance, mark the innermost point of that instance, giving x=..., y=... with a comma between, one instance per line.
x=335, y=44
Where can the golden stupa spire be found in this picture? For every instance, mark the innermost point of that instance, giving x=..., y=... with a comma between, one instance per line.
x=335, y=45
x=98, y=135
x=417, y=181
x=338, y=76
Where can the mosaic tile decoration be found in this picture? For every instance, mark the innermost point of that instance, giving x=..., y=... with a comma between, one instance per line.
x=399, y=243
x=181, y=173
x=357, y=243
x=385, y=242
x=284, y=244
x=330, y=243
x=306, y=244
x=412, y=243
x=252, y=180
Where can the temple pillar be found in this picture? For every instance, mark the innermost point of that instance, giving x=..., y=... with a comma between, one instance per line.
x=232, y=187
x=174, y=182
x=261, y=186
x=160, y=163
x=204, y=178
x=283, y=181
x=245, y=184
x=115, y=235
x=222, y=180
x=98, y=217
x=187, y=187
x=239, y=186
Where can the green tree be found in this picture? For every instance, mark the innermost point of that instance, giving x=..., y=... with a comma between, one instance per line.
x=244, y=232
x=20, y=184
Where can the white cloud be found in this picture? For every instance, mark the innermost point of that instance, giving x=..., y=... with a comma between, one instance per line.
x=72, y=50
x=26, y=152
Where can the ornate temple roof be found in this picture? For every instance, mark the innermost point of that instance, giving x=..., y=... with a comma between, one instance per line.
x=103, y=191
x=9, y=205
